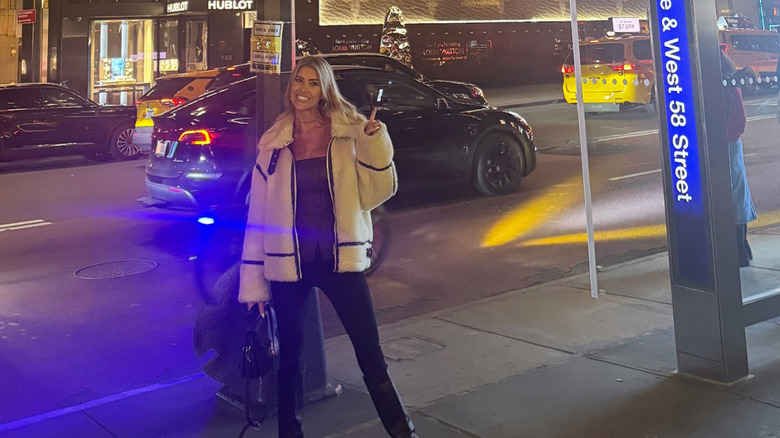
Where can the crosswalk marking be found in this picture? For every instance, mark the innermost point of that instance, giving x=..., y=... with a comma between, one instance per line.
x=14, y=226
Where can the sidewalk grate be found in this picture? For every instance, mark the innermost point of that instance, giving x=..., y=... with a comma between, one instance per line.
x=408, y=348
x=115, y=269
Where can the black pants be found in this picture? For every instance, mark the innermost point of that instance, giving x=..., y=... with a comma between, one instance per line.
x=743, y=247
x=351, y=298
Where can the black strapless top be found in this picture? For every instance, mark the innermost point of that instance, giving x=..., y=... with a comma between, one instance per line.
x=314, y=219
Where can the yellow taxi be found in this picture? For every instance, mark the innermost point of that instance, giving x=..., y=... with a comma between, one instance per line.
x=617, y=73
x=168, y=92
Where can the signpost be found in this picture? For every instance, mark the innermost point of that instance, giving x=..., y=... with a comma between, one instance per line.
x=26, y=16
x=709, y=319
x=266, y=47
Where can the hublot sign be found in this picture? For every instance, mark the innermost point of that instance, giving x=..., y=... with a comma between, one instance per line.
x=230, y=5
x=182, y=6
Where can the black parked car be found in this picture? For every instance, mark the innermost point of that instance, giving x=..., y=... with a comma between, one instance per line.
x=458, y=91
x=203, y=151
x=41, y=120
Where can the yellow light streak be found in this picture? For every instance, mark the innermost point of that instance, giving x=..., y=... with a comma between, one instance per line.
x=634, y=233
x=532, y=214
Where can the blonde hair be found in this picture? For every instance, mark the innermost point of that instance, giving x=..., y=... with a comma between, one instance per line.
x=332, y=101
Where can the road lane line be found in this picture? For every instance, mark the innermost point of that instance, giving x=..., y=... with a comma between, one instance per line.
x=16, y=224
x=94, y=403
x=627, y=135
x=632, y=175
x=764, y=117
x=655, y=131
x=23, y=225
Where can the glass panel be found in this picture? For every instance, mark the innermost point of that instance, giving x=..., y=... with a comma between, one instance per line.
x=122, y=60
x=169, y=47
x=623, y=148
x=196, y=45
x=56, y=98
x=17, y=98
x=749, y=72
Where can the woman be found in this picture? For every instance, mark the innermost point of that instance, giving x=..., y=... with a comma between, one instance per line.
x=321, y=168
x=740, y=191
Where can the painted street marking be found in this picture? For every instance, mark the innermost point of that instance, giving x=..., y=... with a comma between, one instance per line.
x=632, y=175
x=763, y=117
x=627, y=135
x=23, y=225
x=91, y=404
x=655, y=131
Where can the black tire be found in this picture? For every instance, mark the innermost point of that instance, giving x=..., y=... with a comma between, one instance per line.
x=498, y=165
x=121, y=145
x=98, y=157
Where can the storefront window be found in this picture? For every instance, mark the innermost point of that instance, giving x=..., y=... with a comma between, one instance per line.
x=122, y=60
x=196, y=45
x=169, y=47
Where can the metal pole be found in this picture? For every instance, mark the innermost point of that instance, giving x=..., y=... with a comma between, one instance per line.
x=270, y=92
x=575, y=47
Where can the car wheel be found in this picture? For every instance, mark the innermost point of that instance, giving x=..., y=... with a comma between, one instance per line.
x=498, y=165
x=122, y=146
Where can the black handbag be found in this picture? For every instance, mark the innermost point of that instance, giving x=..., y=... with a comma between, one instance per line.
x=258, y=358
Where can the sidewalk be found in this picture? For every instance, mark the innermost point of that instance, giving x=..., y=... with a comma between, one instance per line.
x=546, y=361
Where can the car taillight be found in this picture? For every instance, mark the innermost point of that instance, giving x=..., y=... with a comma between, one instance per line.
x=622, y=67
x=567, y=69
x=172, y=102
x=196, y=136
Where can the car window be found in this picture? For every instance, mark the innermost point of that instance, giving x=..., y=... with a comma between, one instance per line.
x=741, y=42
x=166, y=88
x=642, y=51
x=765, y=43
x=389, y=93
x=58, y=98
x=602, y=53
x=226, y=77
x=19, y=98
x=219, y=101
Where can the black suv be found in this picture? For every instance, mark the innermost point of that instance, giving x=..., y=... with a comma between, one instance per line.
x=203, y=151
x=458, y=91
x=39, y=120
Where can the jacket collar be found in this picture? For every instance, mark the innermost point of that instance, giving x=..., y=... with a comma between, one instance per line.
x=280, y=135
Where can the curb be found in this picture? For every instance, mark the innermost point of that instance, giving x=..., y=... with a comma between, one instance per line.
x=524, y=104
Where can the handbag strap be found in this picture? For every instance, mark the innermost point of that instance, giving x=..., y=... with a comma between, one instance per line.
x=251, y=338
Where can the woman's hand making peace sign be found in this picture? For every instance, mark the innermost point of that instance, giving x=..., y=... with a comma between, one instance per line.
x=372, y=127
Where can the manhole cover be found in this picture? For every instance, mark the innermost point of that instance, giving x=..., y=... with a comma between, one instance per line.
x=115, y=269
x=408, y=348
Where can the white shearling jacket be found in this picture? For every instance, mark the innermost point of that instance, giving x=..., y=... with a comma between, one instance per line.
x=362, y=176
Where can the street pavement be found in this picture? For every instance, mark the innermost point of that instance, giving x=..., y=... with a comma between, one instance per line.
x=544, y=361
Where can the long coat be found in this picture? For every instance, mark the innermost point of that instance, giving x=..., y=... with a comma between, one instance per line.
x=362, y=176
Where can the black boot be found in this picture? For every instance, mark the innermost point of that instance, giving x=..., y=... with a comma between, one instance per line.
x=389, y=407
x=290, y=405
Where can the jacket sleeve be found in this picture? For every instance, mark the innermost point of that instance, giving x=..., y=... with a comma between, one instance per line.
x=377, y=181
x=253, y=286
